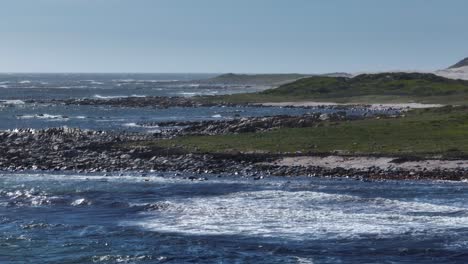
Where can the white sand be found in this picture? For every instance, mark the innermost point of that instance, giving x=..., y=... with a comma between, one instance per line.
x=366, y=162
x=404, y=106
x=457, y=73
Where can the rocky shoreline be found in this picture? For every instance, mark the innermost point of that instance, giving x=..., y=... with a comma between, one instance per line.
x=203, y=101
x=243, y=125
x=135, y=102
x=65, y=149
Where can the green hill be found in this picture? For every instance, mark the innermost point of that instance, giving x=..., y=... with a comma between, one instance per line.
x=365, y=88
x=254, y=79
x=412, y=84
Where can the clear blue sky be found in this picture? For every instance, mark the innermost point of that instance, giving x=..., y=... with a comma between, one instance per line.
x=308, y=36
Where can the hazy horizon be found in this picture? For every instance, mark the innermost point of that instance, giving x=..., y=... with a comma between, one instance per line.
x=208, y=36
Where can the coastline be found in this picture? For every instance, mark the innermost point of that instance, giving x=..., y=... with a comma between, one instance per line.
x=63, y=149
x=92, y=151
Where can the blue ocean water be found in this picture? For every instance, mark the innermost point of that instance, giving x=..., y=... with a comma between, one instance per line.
x=15, y=89
x=67, y=86
x=161, y=218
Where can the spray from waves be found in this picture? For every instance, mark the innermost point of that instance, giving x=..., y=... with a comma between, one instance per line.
x=26, y=197
x=295, y=214
x=12, y=102
x=80, y=202
x=44, y=116
x=188, y=94
x=50, y=117
x=93, y=82
x=135, y=125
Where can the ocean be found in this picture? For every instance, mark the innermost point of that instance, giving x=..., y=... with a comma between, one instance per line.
x=164, y=218
x=16, y=89
x=154, y=217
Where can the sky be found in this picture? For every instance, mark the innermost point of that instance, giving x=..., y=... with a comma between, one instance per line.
x=242, y=36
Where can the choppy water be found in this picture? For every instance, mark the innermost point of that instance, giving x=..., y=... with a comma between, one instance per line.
x=39, y=116
x=161, y=218
x=16, y=88
x=73, y=218
x=67, y=86
x=112, y=118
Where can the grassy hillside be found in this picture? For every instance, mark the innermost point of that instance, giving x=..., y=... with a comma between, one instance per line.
x=424, y=132
x=365, y=88
x=254, y=79
x=411, y=84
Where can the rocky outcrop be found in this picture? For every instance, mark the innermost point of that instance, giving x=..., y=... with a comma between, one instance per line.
x=150, y=101
x=243, y=125
x=82, y=151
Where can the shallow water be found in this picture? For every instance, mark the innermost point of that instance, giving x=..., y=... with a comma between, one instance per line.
x=17, y=88
x=39, y=116
x=57, y=218
x=162, y=218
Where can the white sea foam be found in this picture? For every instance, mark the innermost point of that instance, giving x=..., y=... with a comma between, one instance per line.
x=12, y=102
x=80, y=202
x=43, y=116
x=160, y=81
x=188, y=94
x=295, y=214
x=124, y=80
x=132, y=124
x=108, y=97
x=49, y=117
x=271, y=213
x=66, y=87
x=151, y=131
x=27, y=197
x=217, y=116
x=22, y=178
x=94, y=82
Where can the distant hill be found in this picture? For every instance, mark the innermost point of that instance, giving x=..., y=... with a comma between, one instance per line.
x=456, y=71
x=401, y=84
x=460, y=64
x=254, y=79
x=337, y=74
x=269, y=80
x=394, y=87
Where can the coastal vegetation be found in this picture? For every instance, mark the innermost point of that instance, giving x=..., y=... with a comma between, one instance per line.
x=254, y=79
x=365, y=88
x=441, y=132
